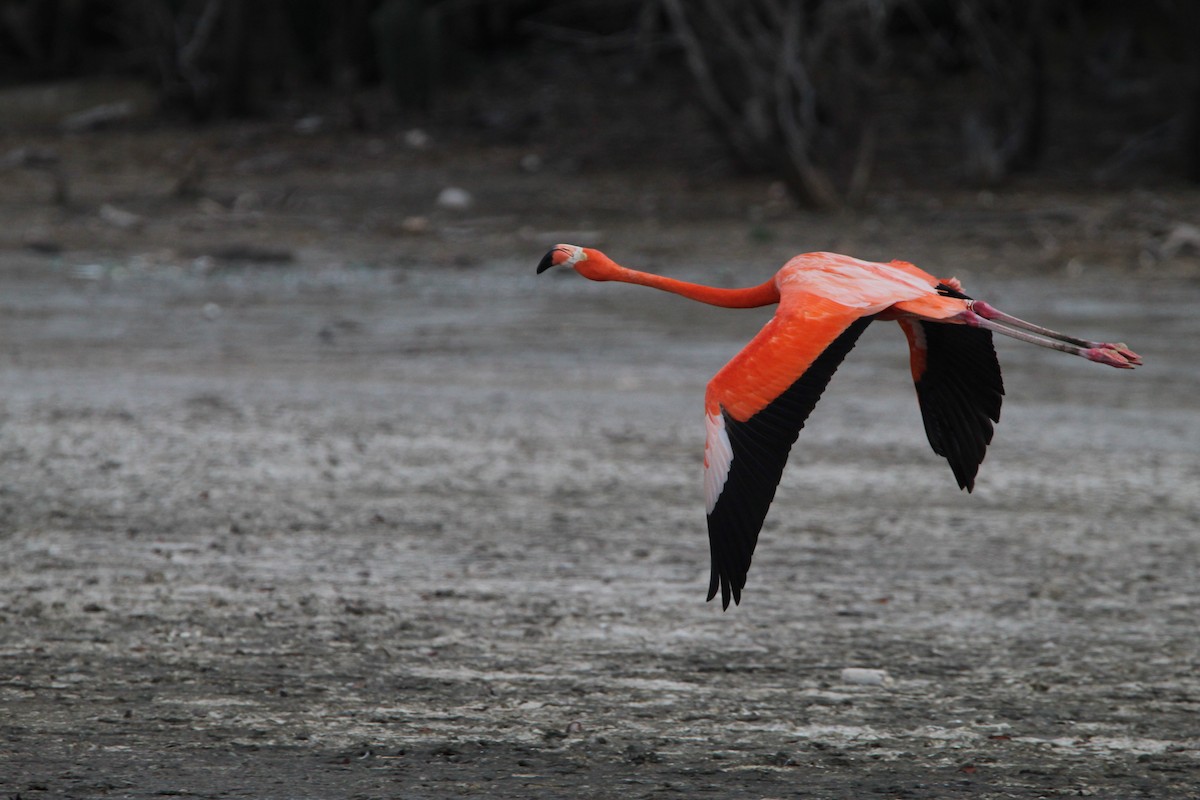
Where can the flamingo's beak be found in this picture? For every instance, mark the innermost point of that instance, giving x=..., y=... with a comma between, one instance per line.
x=547, y=262
x=560, y=255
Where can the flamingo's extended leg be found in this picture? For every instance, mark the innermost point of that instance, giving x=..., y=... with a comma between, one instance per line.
x=981, y=315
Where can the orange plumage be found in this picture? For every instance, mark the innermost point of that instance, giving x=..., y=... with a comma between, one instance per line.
x=756, y=404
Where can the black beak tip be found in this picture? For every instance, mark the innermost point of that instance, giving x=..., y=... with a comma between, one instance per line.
x=546, y=263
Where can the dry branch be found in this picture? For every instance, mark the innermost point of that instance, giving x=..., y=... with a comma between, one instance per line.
x=786, y=83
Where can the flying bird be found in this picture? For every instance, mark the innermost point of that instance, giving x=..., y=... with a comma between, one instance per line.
x=756, y=404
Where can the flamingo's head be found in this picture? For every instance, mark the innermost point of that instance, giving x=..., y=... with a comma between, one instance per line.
x=562, y=255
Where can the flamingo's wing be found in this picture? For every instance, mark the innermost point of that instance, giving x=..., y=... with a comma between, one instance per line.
x=756, y=406
x=959, y=389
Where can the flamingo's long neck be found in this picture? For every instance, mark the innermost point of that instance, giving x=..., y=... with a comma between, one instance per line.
x=599, y=267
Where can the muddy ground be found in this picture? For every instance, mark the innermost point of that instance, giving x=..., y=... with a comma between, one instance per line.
x=309, y=488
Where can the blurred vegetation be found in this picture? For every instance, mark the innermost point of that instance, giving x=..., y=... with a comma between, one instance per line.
x=823, y=94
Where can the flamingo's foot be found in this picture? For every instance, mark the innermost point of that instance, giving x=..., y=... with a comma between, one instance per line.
x=1123, y=350
x=1115, y=355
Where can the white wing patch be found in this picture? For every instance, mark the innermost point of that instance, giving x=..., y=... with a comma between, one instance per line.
x=918, y=334
x=718, y=455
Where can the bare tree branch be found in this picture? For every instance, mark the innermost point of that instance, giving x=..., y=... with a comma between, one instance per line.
x=789, y=93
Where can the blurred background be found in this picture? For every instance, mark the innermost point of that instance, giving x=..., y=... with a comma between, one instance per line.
x=142, y=109
x=306, y=473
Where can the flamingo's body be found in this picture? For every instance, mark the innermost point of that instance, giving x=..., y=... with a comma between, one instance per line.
x=756, y=404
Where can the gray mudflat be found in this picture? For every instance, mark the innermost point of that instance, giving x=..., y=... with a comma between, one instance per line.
x=438, y=532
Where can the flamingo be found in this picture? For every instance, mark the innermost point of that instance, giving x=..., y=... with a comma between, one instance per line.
x=756, y=404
